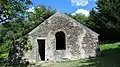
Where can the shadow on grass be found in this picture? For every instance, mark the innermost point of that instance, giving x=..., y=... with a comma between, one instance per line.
x=109, y=58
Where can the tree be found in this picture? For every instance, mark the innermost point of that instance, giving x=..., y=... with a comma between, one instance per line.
x=10, y=9
x=105, y=18
x=18, y=28
x=80, y=18
x=40, y=13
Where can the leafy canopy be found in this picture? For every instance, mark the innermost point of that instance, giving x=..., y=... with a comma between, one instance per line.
x=10, y=9
x=105, y=18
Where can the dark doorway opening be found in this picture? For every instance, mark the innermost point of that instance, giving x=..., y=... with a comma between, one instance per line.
x=60, y=41
x=41, y=44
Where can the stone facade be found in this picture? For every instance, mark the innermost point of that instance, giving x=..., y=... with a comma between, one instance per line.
x=80, y=41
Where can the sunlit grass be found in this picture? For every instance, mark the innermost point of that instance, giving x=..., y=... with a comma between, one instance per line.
x=110, y=57
x=109, y=46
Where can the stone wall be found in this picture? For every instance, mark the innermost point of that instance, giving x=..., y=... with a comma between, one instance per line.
x=81, y=42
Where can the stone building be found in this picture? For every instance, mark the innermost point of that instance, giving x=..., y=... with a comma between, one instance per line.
x=61, y=37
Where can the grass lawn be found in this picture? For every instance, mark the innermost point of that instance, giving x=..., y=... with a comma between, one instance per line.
x=110, y=58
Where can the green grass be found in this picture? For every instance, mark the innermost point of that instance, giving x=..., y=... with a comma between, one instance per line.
x=110, y=57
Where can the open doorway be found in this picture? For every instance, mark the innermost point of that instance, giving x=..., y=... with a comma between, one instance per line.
x=41, y=48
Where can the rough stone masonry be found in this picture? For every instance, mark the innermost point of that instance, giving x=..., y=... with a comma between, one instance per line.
x=61, y=37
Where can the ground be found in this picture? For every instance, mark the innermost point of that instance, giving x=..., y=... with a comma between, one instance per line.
x=110, y=58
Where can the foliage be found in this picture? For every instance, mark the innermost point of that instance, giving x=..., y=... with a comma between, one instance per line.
x=40, y=14
x=19, y=27
x=80, y=18
x=17, y=51
x=105, y=19
x=28, y=45
x=10, y=9
x=4, y=55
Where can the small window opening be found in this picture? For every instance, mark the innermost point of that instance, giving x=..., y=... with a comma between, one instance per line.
x=60, y=41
